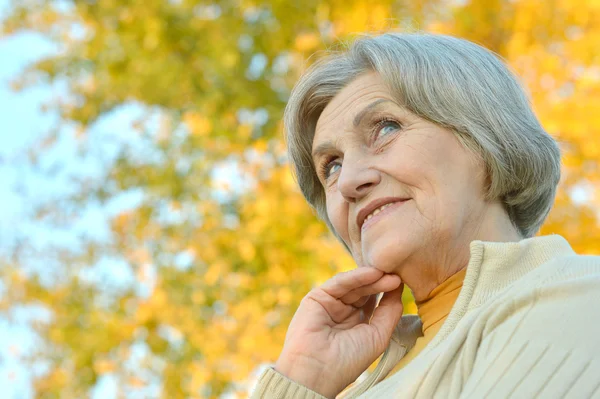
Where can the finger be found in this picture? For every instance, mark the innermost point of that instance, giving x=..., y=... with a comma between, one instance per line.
x=386, y=283
x=342, y=283
x=337, y=311
x=386, y=316
x=368, y=307
x=361, y=302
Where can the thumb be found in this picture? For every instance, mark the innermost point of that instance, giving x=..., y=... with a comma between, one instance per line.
x=387, y=315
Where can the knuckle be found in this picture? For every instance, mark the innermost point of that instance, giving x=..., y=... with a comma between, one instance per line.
x=316, y=294
x=309, y=297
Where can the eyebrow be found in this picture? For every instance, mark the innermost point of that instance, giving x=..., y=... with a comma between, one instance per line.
x=328, y=146
x=366, y=110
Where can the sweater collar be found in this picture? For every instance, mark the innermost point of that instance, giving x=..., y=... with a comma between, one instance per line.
x=493, y=266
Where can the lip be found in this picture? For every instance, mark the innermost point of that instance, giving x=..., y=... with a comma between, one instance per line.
x=362, y=215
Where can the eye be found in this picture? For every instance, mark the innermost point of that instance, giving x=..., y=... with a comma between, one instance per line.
x=328, y=167
x=385, y=127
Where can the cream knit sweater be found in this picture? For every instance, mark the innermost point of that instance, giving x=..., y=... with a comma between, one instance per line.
x=525, y=324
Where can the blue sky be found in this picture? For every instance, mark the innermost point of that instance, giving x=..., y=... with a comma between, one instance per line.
x=24, y=122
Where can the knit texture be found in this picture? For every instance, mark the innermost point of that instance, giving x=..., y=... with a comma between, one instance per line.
x=433, y=312
x=525, y=324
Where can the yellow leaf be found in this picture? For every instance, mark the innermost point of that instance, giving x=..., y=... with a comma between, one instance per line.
x=198, y=297
x=284, y=296
x=307, y=41
x=198, y=124
x=213, y=273
x=247, y=251
x=104, y=366
x=136, y=382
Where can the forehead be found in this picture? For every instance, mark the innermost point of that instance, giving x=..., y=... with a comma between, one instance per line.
x=349, y=101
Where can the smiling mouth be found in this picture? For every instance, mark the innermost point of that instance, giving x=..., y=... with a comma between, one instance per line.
x=376, y=211
x=380, y=212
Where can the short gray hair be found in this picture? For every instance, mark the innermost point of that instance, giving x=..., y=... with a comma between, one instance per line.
x=455, y=84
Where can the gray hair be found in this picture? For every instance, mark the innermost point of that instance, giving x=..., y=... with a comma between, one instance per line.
x=455, y=84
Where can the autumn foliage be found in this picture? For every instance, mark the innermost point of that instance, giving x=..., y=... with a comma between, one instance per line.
x=221, y=263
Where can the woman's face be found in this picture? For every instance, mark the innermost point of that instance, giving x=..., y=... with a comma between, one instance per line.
x=368, y=151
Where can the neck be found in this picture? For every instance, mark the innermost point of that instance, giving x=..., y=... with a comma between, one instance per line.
x=436, y=265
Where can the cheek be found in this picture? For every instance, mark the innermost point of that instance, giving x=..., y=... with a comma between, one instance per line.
x=338, y=215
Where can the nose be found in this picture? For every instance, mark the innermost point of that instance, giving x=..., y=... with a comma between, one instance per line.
x=357, y=179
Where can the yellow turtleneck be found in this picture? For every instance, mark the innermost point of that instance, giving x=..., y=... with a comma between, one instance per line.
x=433, y=312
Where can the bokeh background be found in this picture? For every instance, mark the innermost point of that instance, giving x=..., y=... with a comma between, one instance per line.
x=152, y=240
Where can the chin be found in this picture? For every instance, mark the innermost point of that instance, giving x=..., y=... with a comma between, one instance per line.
x=386, y=253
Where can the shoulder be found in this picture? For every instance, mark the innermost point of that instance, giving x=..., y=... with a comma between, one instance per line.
x=572, y=272
x=567, y=279
x=540, y=338
x=556, y=303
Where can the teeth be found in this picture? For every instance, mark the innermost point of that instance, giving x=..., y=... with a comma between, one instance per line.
x=376, y=211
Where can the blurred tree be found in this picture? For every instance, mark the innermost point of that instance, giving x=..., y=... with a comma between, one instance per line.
x=218, y=75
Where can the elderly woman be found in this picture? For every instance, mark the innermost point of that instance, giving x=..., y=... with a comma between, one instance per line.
x=423, y=156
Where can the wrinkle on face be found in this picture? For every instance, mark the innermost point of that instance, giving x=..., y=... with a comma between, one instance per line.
x=426, y=239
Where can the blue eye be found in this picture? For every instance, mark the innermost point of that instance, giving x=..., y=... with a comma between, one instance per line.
x=327, y=167
x=385, y=127
x=331, y=169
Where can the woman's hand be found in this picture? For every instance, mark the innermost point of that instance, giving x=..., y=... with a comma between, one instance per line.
x=330, y=340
